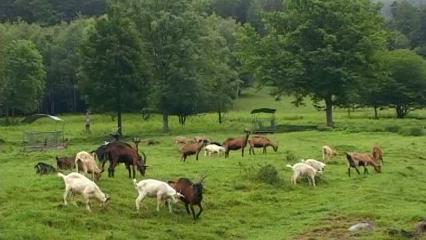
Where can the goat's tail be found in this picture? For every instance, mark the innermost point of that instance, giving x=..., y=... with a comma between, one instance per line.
x=61, y=175
x=288, y=165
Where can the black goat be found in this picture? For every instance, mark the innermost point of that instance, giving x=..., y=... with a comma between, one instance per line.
x=44, y=168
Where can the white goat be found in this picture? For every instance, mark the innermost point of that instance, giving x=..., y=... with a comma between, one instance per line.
x=328, y=153
x=319, y=166
x=88, y=164
x=155, y=188
x=303, y=169
x=78, y=183
x=212, y=148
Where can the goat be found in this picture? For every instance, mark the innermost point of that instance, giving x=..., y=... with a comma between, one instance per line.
x=202, y=138
x=65, y=163
x=212, y=148
x=78, y=183
x=261, y=142
x=378, y=153
x=362, y=159
x=88, y=164
x=319, y=166
x=192, y=148
x=44, y=168
x=192, y=192
x=100, y=152
x=184, y=140
x=303, y=169
x=236, y=143
x=119, y=152
x=328, y=153
x=155, y=188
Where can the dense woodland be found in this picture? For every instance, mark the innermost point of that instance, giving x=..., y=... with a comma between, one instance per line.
x=188, y=57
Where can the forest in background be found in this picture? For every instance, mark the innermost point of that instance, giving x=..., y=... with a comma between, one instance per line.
x=174, y=58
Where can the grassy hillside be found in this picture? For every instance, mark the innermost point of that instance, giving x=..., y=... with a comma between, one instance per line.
x=237, y=203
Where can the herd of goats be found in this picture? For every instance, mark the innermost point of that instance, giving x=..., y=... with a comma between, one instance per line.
x=191, y=194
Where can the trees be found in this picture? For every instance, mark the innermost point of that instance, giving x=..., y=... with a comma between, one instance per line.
x=22, y=77
x=112, y=64
x=405, y=87
x=319, y=48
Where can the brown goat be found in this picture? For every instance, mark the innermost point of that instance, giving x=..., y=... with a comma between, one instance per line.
x=191, y=149
x=119, y=152
x=378, y=153
x=261, y=142
x=236, y=143
x=192, y=192
x=65, y=163
x=362, y=159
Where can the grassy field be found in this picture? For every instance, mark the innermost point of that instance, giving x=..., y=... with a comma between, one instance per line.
x=237, y=203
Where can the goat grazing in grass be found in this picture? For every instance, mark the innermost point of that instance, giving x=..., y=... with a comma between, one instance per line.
x=191, y=149
x=213, y=148
x=192, y=194
x=328, y=153
x=319, y=166
x=65, y=163
x=155, y=188
x=88, y=164
x=236, y=143
x=44, y=168
x=303, y=169
x=77, y=183
x=184, y=140
x=356, y=160
x=119, y=152
x=261, y=142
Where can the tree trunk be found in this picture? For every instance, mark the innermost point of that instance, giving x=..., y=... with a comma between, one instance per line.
x=165, y=122
x=119, y=124
x=329, y=110
x=376, y=114
x=220, y=114
x=401, y=111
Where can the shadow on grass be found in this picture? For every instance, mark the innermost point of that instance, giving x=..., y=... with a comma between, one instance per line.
x=295, y=128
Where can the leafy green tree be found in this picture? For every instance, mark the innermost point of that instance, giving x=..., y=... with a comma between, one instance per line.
x=319, y=48
x=219, y=69
x=405, y=87
x=171, y=32
x=112, y=64
x=22, y=77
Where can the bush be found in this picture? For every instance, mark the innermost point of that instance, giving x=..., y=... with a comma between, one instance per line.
x=268, y=174
x=290, y=156
x=412, y=131
x=393, y=128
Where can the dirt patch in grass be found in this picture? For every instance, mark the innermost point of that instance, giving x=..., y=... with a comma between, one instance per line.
x=334, y=228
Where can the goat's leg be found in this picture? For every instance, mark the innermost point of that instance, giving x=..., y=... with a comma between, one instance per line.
x=201, y=210
x=67, y=190
x=357, y=170
x=192, y=211
x=365, y=170
x=187, y=208
x=134, y=171
x=87, y=200
x=138, y=201
x=169, y=204
x=349, y=171
x=242, y=152
x=313, y=180
x=264, y=150
x=159, y=197
x=196, y=156
x=227, y=153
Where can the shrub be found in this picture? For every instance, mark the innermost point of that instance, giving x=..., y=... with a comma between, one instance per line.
x=412, y=131
x=290, y=156
x=393, y=128
x=268, y=174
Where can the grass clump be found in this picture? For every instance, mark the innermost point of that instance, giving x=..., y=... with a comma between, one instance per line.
x=412, y=131
x=393, y=128
x=290, y=156
x=268, y=174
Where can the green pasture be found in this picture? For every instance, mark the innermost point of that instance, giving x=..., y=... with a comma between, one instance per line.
x=237, y=203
